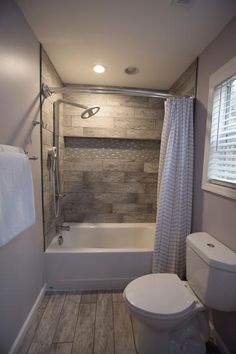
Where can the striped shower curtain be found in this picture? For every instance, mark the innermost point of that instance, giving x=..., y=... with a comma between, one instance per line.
x=174, y=191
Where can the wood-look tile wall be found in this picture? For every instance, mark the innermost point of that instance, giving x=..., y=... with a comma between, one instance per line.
x=51, y=78
x=111, y=160
x=186, y=84
x=120, y=116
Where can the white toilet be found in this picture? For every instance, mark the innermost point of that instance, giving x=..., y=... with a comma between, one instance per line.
x=172, y=313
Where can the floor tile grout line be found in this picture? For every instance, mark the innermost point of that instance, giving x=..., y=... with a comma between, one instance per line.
x=132, y=325
x=36, y=329
x=76, y=322
x=96, y=303
x=113, y=325
x=58, y=321
x=113, y=318
x=65, y=342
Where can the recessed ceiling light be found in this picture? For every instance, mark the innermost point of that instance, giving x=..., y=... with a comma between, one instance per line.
x=131, y=70
x=99, y=69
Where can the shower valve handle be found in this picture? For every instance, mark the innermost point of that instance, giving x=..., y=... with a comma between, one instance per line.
x=61, y=196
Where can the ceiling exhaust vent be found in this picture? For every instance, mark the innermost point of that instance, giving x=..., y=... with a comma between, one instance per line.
x=181, y=2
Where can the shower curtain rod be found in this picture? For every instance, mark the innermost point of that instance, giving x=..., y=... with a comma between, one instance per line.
x=47, y=91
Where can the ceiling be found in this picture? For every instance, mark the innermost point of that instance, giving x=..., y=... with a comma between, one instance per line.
x=160, y=37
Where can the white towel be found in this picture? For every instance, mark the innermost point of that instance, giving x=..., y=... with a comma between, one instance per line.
x=17, y=211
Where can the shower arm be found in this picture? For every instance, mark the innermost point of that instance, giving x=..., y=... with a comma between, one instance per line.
x=58, y=102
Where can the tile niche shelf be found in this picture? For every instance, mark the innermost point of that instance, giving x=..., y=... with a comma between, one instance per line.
x=134, y=134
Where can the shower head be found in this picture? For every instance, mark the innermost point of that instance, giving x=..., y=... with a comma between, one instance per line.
x=89, y=112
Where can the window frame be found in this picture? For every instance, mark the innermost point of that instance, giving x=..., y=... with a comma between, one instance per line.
x=217, y=187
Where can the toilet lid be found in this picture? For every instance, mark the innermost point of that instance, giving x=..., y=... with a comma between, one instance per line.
x=162, y=295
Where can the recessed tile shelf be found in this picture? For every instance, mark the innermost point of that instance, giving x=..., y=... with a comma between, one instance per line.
x=132, y=134
x=122, y=148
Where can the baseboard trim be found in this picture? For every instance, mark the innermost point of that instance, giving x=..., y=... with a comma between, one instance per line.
x=89, y=284
x=218, y=340
x=18, y=341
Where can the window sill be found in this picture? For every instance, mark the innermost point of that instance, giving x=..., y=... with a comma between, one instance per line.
x=219, y=190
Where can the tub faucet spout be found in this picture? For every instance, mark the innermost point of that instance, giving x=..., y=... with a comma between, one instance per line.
x=60, y=240
x=62, y=228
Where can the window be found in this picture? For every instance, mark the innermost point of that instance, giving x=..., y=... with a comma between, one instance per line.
x=219, y=173
x=222, y=160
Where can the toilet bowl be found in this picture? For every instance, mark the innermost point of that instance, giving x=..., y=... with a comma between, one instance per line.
x=167, y=311
x=172, y=314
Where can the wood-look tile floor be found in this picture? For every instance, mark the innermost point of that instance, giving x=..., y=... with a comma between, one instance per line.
x=91, y=323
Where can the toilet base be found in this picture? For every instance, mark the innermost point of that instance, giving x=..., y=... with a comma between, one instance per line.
x=151, y=342
x=190, y=338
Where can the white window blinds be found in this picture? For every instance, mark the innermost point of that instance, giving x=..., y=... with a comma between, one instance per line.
x=222, y=158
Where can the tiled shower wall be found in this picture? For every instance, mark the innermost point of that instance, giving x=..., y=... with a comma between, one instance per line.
x=186, y=84
x=111, y=159
x=51, y=78
x=120, y=116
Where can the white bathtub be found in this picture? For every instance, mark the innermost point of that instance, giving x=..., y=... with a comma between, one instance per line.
x=99, y=256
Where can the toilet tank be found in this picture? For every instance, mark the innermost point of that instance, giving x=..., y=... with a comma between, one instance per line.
x=211, y=271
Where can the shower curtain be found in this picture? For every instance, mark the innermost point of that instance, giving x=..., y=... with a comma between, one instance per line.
x=174, y=191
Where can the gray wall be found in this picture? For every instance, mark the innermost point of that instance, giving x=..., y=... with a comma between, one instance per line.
x=21, y=260
x=212, y=213
x=111, y=159
x=50, y=77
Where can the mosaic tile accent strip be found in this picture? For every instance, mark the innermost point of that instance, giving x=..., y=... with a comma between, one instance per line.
x=86, y=148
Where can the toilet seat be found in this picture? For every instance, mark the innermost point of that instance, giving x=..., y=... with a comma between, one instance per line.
x=162, y=296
